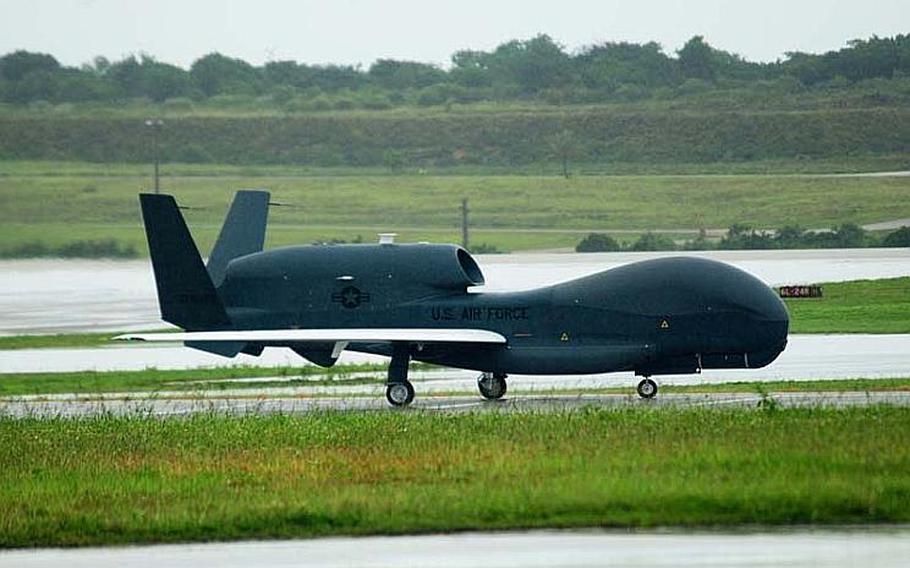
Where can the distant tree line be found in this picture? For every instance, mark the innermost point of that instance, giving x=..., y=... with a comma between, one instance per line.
x=535, y=69
x=743, y=237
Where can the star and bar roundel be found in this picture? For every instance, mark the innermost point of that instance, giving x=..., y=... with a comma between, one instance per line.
x=351, y=297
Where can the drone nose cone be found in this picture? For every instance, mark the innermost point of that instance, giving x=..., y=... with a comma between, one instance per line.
x=773, y=313
x=771, y=323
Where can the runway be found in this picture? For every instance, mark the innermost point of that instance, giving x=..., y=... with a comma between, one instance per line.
x=881, y=547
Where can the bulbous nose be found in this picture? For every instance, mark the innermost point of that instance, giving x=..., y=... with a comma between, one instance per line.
x=772, y=323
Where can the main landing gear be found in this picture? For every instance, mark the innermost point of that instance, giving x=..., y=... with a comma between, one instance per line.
x=399, y=391
x=492, y=386
x=647, y=388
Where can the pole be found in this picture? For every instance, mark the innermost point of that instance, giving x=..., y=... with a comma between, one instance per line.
x=464, y=223
x=155, y=124
x=157, y=161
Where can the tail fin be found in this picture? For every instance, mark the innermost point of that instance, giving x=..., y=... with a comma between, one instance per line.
x=243, y=231
x=186, y=295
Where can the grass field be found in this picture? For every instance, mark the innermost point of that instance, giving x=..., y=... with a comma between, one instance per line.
x=864, y=306
x=57, y=340
x=511, y=212
x=112, y=480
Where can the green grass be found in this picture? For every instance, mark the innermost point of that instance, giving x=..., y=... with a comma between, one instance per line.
x=148, y=380
x=801, y=166
x=511, y=212
x=57, y=340
x=107, y=480
x=863, y=306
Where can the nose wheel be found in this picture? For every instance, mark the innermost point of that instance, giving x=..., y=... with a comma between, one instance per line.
x=647, y=388
x=492, y=386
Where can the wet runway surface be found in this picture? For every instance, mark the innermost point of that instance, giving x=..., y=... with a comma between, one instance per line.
x=57, y=296
x=806, y=357
x=873, y=547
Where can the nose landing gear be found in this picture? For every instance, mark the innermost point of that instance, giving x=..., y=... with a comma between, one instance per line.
x=492, y=386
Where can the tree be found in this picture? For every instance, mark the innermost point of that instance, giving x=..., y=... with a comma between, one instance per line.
x=145, y=77
x=283, y=73
x=696, y=59
x=471, y=69
x=534, y=64
x=16, y=65
x=37, y=85
x=161, y=81
x=216, y=74
x=401, y=75
x=609, y=65
x=333, y=78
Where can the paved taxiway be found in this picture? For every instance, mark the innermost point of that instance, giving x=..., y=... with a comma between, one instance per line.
x=156, y=405
x=879, y=547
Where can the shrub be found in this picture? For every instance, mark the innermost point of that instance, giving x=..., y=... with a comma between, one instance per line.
x=653, y=241
x=899, y=238
x=597, y=242
x=102, y=248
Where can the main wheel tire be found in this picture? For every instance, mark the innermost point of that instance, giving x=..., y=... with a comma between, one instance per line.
x=492, y=387
x=400, y=394
x=647, y=388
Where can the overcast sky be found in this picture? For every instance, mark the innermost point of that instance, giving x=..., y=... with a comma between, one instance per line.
x=361, y=31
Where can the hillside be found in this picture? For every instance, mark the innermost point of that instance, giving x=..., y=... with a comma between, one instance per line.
x=505, y=138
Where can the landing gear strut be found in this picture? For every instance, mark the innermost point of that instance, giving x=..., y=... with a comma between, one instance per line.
x=399, y=391
x=647, y=388
x=492, y=386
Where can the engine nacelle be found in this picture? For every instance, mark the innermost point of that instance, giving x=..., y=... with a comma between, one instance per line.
x=308, y=275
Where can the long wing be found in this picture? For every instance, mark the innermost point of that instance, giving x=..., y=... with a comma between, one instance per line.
x=355, y=335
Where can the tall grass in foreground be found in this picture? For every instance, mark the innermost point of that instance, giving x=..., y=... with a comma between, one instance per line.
x=143, y=479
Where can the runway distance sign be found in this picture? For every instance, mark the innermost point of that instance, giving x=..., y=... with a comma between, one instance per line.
x=800, y=291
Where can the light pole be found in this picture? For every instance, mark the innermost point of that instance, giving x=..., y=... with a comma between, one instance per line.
x=155, y=124
x=464, y=223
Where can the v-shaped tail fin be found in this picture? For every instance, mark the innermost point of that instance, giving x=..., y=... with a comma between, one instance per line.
x=186, y=295
x=243, y=231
